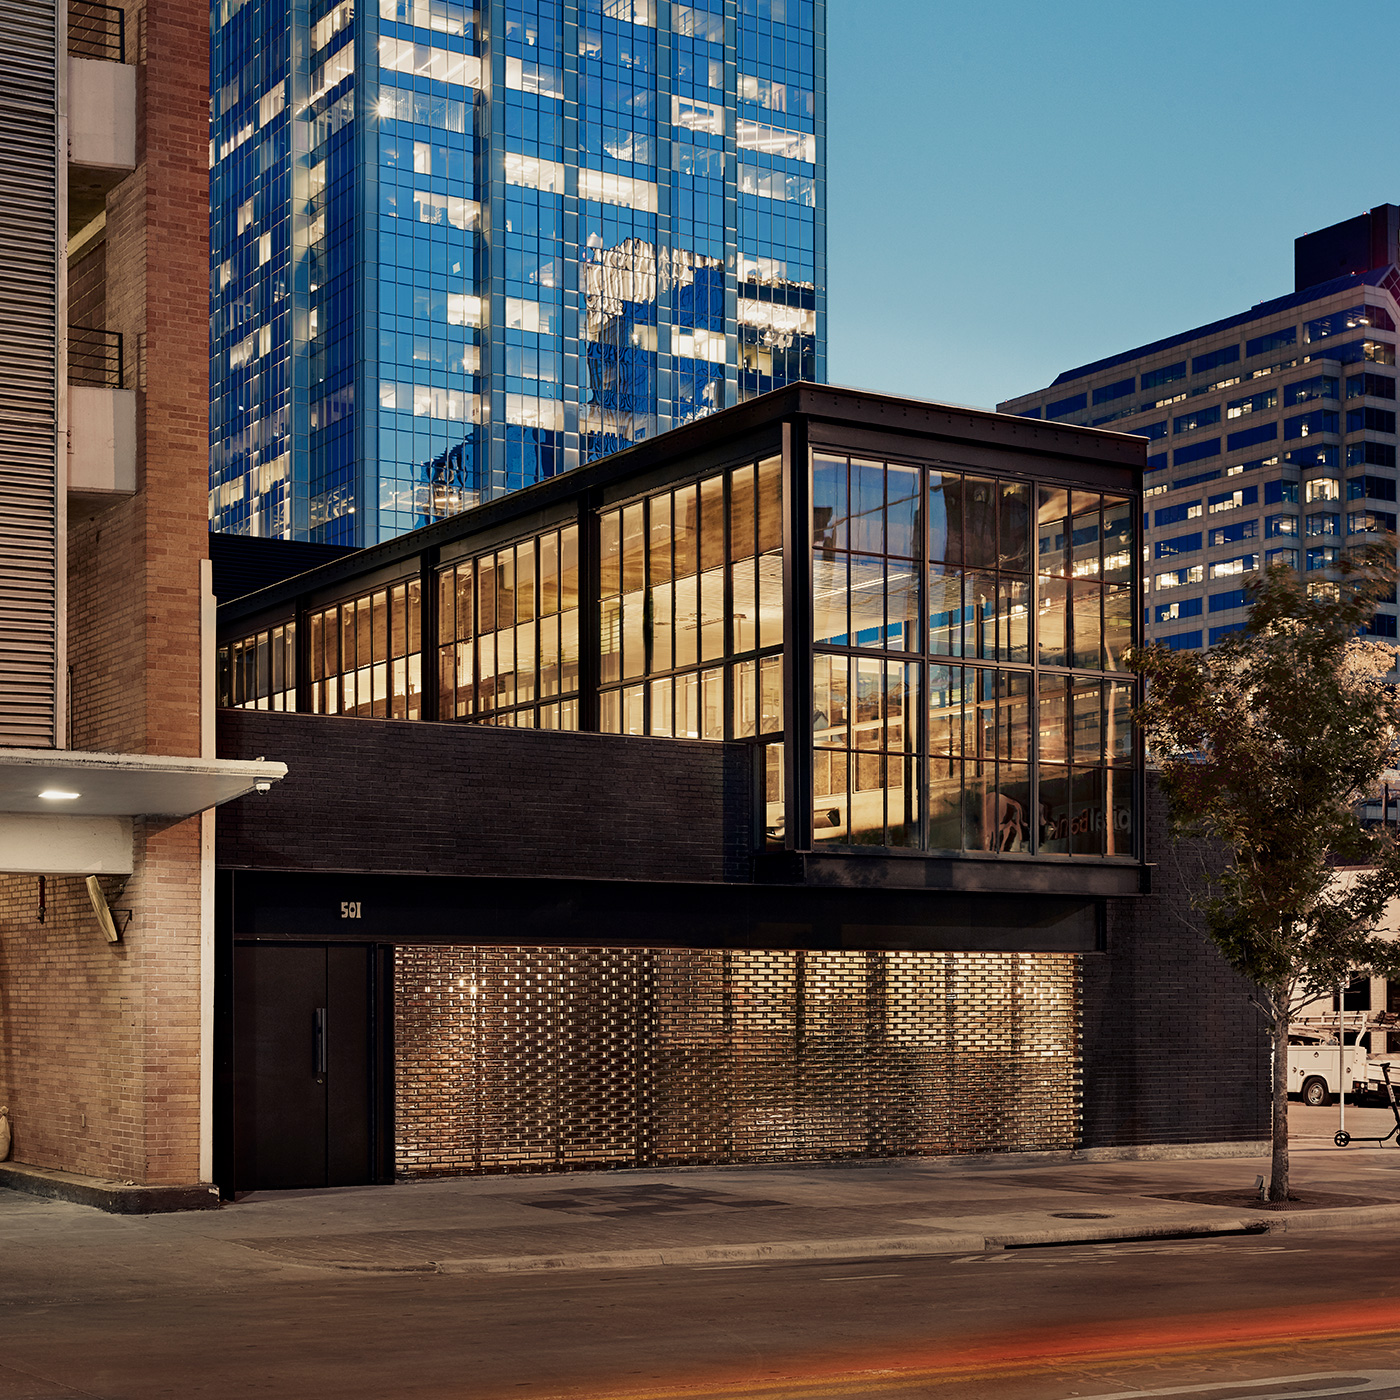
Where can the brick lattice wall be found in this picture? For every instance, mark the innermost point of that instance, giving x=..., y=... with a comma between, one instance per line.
x=529, y=1059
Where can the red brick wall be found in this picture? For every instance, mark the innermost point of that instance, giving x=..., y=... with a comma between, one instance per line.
x=99, y=1045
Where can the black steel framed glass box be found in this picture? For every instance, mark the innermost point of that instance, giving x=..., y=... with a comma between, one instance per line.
x=915, y=616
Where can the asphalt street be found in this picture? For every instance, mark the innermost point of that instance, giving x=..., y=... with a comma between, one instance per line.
x=1022, y=1324
x=1011, y=1278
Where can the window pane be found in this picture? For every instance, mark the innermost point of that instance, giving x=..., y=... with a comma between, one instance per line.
x=633, y=549
x=568, y=568
x=980, y=522
x=745, y=699
x=1015, y=549
x=610, y=712
x=945, y=611
x=1119, y=735
x=712, y=614
x=688, y=706
x=633, y=638
x=1055, y=816
x=945, y=715
x=1117, y=541
x=1050, y=622
x=1053, y=713
x=662, y=634
x=741, y=513
x=945, y=804
x=869, y=707
x=902, y=605
x=829, y=701
x=867, y=824
x=902, y=519
x=712, y=704
x=1087, y=629
x=945, y=517
x=1052, y=550
x=829, y=600
x=525, y=661
x=633, y=706
x=1088, y=722
x=525, y=582
x=687, y=636
x=1015, y=624
x=1086, y=836
x=770, y=599
x=982, y=611
x=867, y=506
x=829, y=795
x=398, y=621
x=828, y=505
x=770, y=703
x=745, y=614
x=684, y=526
x=549, y=574
x=774, y=797
x=1013, y=805
x=610, y=640
x=770, y=504
x=659, y=558
x=549, y=656
x=712, y=523
x=1117, y=627
x=610, y=554
x=662, y=716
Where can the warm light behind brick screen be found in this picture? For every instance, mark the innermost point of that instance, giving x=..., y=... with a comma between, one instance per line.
x=537, y=1059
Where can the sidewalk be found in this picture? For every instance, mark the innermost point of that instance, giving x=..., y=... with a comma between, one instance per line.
x=734, y=1216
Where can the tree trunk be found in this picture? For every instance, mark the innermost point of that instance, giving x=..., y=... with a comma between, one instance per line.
x=1278, y=1171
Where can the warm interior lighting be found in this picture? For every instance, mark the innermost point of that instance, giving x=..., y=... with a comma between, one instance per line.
x=56, y=795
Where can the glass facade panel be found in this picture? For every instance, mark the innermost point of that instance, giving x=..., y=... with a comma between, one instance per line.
x=1029, y=602
x=699, y=581
x=508, y=632
x=458, y=249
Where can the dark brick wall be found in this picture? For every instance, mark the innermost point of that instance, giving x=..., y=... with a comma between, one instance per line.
x=449, y=799
x=1173, y=1050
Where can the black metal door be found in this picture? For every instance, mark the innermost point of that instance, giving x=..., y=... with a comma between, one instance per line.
x=303, y=1066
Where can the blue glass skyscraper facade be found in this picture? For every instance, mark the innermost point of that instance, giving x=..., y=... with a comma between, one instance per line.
x=456, y=251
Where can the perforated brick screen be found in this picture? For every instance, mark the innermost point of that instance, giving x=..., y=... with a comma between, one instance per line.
x=534, y=1059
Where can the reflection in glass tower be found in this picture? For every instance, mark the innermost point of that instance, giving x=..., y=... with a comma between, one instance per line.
x=456, y=251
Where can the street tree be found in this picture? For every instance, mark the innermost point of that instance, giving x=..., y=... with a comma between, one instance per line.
x=1266, y=744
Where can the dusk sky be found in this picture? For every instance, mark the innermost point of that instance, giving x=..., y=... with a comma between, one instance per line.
x=1017, y=188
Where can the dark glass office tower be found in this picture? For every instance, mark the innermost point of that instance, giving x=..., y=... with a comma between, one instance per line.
x=456, y=251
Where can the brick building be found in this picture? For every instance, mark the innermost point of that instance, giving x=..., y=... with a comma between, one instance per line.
x=107, y=735
x=765, y=792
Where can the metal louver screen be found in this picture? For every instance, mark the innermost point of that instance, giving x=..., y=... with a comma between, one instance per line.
x=29, y=477
x=530, y=1059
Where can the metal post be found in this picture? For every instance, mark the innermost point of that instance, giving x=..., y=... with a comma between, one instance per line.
x=1341, y=1059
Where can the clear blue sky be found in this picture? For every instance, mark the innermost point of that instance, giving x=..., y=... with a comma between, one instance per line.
x=1016, y=188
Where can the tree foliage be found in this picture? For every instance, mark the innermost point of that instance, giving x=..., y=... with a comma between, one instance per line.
x=1267, y=744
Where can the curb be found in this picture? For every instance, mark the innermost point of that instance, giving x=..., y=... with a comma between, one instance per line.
x=772, y=1251
x=115, y=1197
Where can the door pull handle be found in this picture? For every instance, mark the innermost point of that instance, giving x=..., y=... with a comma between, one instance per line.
x=318, y=1039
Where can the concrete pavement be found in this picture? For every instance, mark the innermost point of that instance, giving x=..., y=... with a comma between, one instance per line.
x=720, y=1216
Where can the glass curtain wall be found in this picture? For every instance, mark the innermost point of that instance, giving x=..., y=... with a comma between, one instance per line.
x=969, y=692
x=459, y=249
x=508, y=635
x=691, y=609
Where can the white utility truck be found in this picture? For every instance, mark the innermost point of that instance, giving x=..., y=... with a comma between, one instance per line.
x=1318, y=1070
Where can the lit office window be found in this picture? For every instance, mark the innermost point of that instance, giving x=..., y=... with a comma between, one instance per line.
x=363, y=657
x=1019, y=598
x=508, y=635
x=260, y=672
x=691, y=609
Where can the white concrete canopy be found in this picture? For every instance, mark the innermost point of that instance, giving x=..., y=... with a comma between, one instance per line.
x=84, y=826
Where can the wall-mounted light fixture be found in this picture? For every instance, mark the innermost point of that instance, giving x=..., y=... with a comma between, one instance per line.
x=105, y=915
